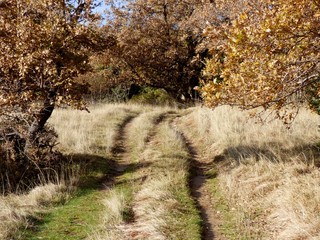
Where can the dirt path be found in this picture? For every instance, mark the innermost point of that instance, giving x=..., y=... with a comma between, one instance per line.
x=118, y=153
x=134, y=229
x=200, y=192
x=197, y=184
x=132, y=175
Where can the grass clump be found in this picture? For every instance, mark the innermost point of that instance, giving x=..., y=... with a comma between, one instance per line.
x=153, y=96
x=19, y=211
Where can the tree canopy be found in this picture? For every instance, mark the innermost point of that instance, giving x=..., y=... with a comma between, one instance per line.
x=266, y=55
x=158, y=43
x=44, y=45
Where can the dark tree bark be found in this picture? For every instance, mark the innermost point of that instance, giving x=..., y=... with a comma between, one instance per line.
x=41, y=118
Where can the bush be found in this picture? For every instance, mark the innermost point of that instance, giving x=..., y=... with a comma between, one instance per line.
x=313, y=97
x=21, y=169
x=155, y=96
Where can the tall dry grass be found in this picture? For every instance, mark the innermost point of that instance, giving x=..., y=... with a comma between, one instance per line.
x=79, y=133
x=269, y=174
x=16, y=210
x=90, y=133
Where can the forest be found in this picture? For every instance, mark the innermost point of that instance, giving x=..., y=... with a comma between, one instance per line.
x=161, y=118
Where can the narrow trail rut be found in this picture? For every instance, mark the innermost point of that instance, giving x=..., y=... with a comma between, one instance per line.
x=118, y=151
x=134, y=229
x=119, y=147
x=200, y=193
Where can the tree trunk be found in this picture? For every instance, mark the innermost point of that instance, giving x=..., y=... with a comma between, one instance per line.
x=41, y=119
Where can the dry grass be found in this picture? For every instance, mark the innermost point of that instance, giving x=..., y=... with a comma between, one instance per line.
x=268, y=174
x=94, y=132
x=15, y=210
x=115, y=204
x=162, y=206
x=90, y=133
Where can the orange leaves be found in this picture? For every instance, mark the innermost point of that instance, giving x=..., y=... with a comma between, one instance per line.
x=160, y=43
x=268, y=54
x=42, y=50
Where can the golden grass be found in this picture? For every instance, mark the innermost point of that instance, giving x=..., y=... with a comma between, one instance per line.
x=15, y=210
x=162, y=205
x=89, y=133
x=268, y=174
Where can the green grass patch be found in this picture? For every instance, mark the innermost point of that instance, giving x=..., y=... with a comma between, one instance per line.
x=74, y=220
x=187, y=216
x=79, y=216
x=228, y=218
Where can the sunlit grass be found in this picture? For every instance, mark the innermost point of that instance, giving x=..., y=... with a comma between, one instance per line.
x=266, y=187
x=264, y=178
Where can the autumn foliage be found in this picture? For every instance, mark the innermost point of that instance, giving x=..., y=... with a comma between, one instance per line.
x=44, y=45
x=158, y=43
x=244, y=53
x=266, y=56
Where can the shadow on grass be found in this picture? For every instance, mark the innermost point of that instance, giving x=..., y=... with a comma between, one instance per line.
x=310, y=154
x=94, y=170
x=74, y=218
x=81, y=214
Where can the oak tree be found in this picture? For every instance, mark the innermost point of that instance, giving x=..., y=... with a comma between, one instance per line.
x=44, y=45
x=158, y=43
x=266, y=56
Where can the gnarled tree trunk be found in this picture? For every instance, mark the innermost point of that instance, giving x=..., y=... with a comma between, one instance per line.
x=41, y=119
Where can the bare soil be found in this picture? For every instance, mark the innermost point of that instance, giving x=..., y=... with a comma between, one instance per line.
x=201, y=194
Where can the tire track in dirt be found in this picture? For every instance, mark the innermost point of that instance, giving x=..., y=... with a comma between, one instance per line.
x=119, y=147
x=122, y=163
x=156, y=121
x=118, y=151
x=134, y=229
x=198, y=190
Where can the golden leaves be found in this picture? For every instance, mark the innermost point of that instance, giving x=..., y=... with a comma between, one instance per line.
x=42, y=49
x=267, y=53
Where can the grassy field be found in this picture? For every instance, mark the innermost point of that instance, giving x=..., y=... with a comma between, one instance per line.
x=144, y=172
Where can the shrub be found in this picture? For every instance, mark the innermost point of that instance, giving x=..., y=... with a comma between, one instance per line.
x=21, y=168
x=156, y=96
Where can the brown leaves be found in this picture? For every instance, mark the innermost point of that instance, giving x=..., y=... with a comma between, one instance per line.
x=269, y=55
x=43, y=49
x=159, y=43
